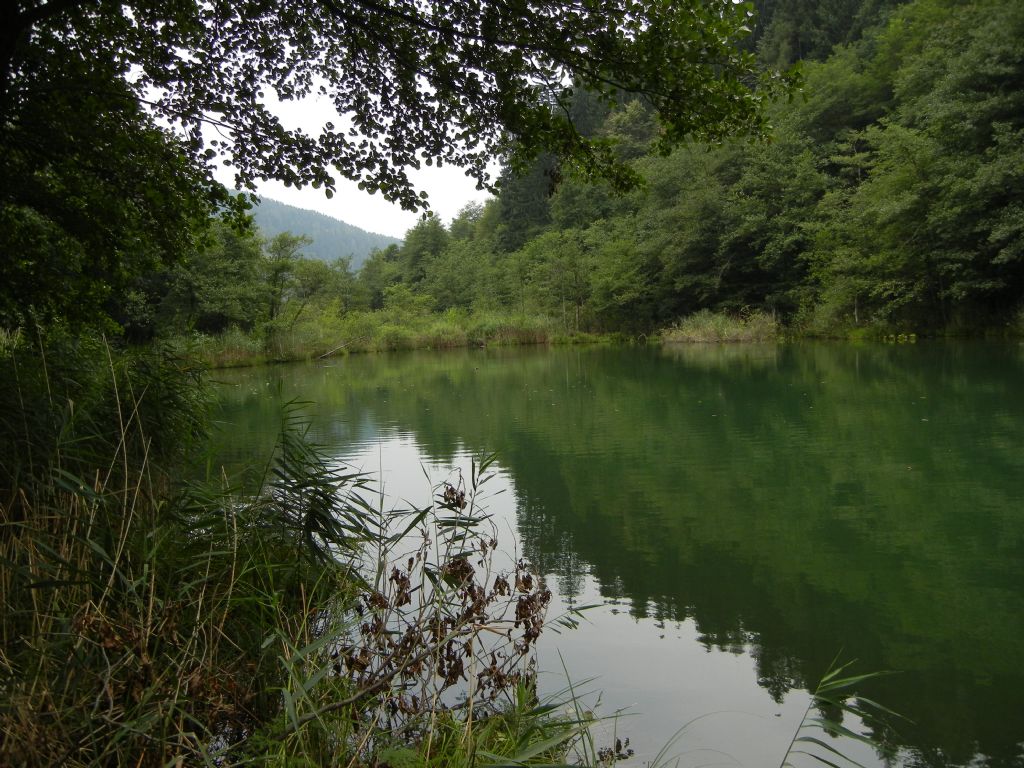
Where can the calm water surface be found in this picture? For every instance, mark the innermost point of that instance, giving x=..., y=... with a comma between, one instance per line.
x=741, y=514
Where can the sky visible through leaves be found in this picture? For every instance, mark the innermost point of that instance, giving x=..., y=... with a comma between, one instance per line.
x=449, y=189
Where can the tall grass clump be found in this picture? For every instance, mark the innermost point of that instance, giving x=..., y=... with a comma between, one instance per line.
x=10, y=340
x=327, y=332
x=835, y=697
x=716, y=327
x=150, y=621
x=232, y=348
x=498, y=329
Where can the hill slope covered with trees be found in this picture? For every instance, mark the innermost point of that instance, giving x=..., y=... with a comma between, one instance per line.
x=332, y=238
x=889, y=198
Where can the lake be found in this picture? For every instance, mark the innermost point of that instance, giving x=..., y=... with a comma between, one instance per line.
x=742, y=515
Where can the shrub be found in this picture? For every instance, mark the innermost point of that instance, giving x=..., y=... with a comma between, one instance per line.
x=708, y=327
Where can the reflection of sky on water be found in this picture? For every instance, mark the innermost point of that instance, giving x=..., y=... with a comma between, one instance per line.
x=650, y=678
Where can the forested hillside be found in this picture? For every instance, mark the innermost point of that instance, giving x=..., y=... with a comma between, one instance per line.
x=887, y=198
x=890, y=197
x=332, y=238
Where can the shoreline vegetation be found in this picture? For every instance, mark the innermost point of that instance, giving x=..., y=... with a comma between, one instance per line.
x=717, y=327
x=375, y=331
x=380, y=331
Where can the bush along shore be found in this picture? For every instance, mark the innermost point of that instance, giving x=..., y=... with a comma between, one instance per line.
x=716, y=327
x=377, y=331
x=383, y=331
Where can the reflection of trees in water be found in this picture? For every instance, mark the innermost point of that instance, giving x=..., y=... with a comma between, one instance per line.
x=791, y=501
x=777, y=671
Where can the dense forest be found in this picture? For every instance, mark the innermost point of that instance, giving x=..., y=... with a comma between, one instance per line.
x=890, y=196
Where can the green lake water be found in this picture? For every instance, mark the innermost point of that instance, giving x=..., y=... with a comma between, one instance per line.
x=741, y=514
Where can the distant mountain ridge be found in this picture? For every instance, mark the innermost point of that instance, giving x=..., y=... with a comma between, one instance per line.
x=332, y=238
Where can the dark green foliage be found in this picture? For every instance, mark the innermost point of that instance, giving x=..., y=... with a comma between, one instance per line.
x=930, y=224
x=807, y=30
x=457, y=277
x=632, y=129
x=93, y=194
x=889, y=197
x=453, y=84
x=63, y=412
x=106, y=159
x=281, y=257
x=522, y=207
x=235, y=282
x=218, y=285
x=379, y=272
x=423, y=244
x=464, y=225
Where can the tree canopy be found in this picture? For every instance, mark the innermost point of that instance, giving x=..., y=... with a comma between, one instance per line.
x=114, y=114
x=415, y=82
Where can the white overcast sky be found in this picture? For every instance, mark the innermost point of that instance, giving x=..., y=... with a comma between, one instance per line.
x=448, y=187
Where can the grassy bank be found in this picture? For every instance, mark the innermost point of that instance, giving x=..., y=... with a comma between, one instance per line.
x=331, y=333
x=148, y=621
x=707, y=327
